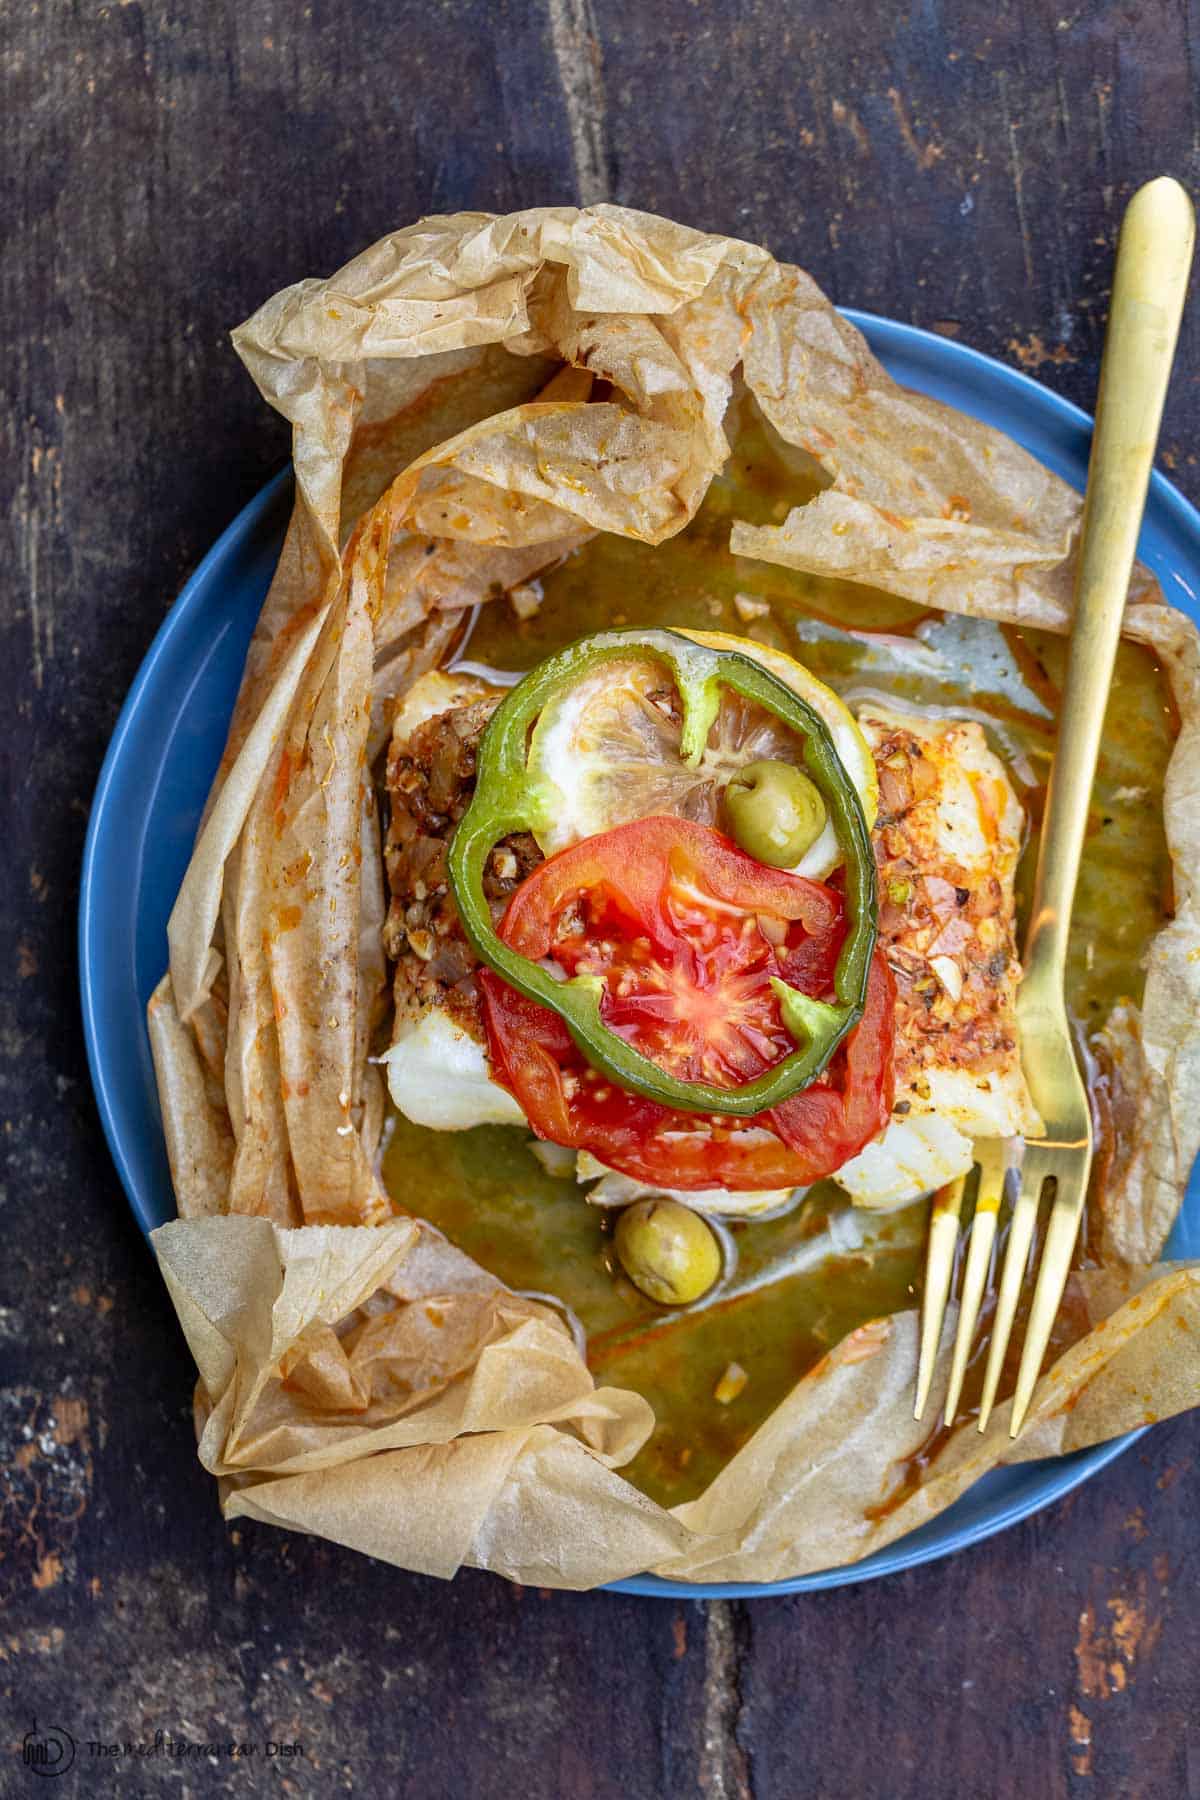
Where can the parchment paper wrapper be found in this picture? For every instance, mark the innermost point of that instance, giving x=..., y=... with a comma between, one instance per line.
x=471, y=398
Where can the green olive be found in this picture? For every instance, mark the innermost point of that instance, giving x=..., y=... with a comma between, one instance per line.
x=775, y=812
x=667, y=1251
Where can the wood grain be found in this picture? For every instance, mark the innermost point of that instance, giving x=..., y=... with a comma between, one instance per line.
x=963, y=167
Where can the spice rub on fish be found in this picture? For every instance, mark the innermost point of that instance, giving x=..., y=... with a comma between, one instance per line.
x=947, y=840
x=430, y=778
x=437, y=1070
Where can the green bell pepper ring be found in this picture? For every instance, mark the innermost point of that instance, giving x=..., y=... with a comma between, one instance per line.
x=507, y=799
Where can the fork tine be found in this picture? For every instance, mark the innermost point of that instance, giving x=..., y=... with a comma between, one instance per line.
x=1061, y=1233
x=939, y=1267
x=992, y=1155
x=1020, y=1236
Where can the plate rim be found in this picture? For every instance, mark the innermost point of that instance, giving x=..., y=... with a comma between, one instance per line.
x=882, y=334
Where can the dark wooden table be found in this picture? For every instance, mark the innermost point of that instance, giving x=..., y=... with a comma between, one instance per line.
x=169, y=166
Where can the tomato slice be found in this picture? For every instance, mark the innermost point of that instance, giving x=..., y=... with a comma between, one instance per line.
x=686, y=931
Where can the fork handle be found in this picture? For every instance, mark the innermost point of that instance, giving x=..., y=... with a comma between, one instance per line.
x=1154, y=255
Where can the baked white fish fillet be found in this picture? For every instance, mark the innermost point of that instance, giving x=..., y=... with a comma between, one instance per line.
x=947, y=841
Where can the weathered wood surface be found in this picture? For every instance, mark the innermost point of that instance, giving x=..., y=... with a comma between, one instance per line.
x=169, y=166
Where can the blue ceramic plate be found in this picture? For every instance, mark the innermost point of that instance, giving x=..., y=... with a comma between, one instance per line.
x=165, y=751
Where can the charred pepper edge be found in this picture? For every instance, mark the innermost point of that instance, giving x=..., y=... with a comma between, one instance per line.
x=506, y=800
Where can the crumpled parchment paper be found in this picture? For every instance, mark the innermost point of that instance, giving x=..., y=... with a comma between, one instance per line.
x=470, y=398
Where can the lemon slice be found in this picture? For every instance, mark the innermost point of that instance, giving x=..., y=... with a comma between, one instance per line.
x=608, y=747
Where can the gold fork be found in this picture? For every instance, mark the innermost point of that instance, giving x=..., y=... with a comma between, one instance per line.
x=1154, y=255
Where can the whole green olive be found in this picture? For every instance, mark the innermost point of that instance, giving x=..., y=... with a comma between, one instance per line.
x=775, y=812
x=667, y=1251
